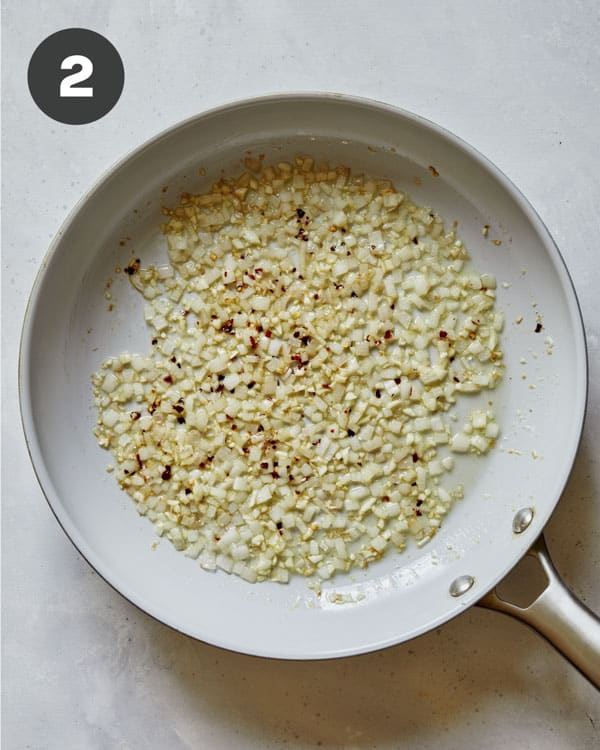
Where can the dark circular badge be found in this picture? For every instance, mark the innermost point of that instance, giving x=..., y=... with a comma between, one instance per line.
x=75, y=76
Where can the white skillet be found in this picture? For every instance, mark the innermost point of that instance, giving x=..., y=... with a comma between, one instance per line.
x=510, y=494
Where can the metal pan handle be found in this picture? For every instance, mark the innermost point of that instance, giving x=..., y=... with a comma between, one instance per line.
x=557, y=615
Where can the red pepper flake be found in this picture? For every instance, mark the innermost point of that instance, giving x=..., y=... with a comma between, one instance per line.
x=378, y=393
x=433, y=170
x=326, y=386
x=139, y=461
x=135, y=415
x=443, y=334
x=133, y=267
x=166, y=473
x=251, y=385
x=415, y=240
x=268, y=333
x=315, y=296
x=188, y=491
x=264, y=465
x=275, y=475
x=180, y=420
x=260, y=428
x=227, y=326
x=387, y=335
x=418, y=512
x=178, y=408
x=168, y=378
x=385, y=498
x=415, y=457
x=305, y=340
x=397, y=381
x=253, y=342
x=351, y=433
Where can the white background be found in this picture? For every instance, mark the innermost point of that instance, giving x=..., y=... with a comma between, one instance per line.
x=81, y=667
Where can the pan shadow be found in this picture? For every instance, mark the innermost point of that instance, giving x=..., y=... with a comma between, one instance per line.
x=452, y=681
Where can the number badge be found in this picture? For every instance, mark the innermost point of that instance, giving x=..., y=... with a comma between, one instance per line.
x=76, y=76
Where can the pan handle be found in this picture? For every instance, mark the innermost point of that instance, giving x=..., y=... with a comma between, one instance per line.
x=559, y=616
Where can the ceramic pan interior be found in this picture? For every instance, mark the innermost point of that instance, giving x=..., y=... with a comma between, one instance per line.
x=69, y=331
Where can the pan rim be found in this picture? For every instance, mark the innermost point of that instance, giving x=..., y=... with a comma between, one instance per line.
x=27, y=420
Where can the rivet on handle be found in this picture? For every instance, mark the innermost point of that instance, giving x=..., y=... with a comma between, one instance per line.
x=461, y=585
x=522, y=520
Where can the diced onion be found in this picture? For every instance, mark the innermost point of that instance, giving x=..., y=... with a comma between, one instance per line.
x=311, y=337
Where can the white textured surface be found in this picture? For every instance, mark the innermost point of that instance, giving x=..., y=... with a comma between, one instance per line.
x=82, y=667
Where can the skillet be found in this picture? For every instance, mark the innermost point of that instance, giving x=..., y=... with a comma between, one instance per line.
x=509, y=495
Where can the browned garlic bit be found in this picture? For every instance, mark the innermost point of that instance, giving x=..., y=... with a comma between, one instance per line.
x=310, y=337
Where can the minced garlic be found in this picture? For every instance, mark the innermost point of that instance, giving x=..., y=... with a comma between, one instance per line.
x=310, y=337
